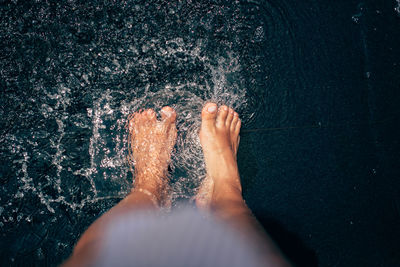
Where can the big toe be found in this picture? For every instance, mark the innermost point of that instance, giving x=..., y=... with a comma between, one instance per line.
x=208, y=114
x=168, y=114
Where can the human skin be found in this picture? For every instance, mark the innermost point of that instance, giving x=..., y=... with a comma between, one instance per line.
x=151, y=144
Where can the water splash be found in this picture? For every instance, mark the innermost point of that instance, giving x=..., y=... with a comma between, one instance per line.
x=74, y=152
x=73, y=72
x=108, y=155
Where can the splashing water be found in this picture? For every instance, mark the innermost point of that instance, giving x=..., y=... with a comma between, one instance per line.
x=87, y=75
x=72, y=73
x=108, y=153
x=107, y=172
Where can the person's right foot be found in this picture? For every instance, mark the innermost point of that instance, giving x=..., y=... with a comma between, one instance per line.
x=151, y=144
x=219, y=138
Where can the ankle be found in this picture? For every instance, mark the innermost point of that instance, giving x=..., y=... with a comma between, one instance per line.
x=226, y=191
x=153, y=184
x=229, y=184
x=229, y=202
x=147, y=194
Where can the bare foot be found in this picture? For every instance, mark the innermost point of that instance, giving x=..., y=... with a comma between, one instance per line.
x=219, y=137
x=151, y=144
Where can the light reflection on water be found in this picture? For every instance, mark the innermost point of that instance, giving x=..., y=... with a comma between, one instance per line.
x=74, y=72
x=78, y=134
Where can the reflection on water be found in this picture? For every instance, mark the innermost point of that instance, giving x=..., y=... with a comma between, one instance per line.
x=118, y=79
x=73, y=71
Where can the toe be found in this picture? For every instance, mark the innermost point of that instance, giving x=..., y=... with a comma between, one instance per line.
x=150, y=114
x=222, y=114
x=229, y=118
x=237, y=128
x=168, y=114
x=234, y=121
x=209, y=114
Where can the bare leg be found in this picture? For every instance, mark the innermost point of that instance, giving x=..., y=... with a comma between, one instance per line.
x=219, y=137
x=151, y=142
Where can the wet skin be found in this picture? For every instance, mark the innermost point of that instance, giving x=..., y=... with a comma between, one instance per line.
x=151, y=144
x=219, y=137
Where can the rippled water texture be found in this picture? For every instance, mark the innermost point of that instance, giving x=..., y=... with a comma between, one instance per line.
x=72, y=72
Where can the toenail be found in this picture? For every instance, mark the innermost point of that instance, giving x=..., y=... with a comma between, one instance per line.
x=231, y=111
x=224, y=107
x=212, y=109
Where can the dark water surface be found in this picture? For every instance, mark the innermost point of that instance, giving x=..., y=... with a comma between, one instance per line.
x=317, y=85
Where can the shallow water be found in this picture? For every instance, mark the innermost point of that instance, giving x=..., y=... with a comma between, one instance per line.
x=315, y=83
x=72, y=72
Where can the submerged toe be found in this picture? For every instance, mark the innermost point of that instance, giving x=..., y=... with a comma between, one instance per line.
x=149, y=114
x=168, y=114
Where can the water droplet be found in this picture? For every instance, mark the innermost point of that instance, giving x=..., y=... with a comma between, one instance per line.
x=29, y=218
x=259, y=34
x=40, y=254
x=356, y=18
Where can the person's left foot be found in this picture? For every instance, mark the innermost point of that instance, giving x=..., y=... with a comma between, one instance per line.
x=151, y=144
x=220, y=138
